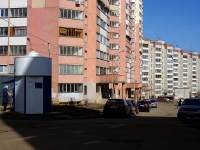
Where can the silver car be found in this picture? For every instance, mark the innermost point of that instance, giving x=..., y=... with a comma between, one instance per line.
x=189, y=108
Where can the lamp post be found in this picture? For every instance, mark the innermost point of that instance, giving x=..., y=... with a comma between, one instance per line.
x=113, y=74
x=134, y=90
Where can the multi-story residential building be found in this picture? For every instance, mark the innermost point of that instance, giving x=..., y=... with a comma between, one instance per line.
x=170, y=68
x=83, y=67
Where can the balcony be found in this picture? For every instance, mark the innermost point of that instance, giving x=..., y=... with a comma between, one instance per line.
x=109, y=78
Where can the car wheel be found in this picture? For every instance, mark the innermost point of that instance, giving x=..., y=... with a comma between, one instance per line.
x=148, y=110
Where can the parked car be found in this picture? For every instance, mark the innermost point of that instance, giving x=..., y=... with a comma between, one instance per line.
x=166, y=100
x=149, y=101
x=133, y=108
x=190, y=108
x=143, y=105
x=116, y=107
x=136, y=105
x=154, y=103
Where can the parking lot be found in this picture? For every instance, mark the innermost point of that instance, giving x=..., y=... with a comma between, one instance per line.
x=158, y=129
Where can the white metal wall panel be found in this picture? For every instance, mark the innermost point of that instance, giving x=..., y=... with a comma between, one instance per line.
x=18, y=3
x=19, y=22
x=18, y=41
x=103, y=17
x=4, y=41
x=103, y=32
x=4, y=3
x=33, y=66
x=34, y=96
x=3, y=23
x=103, y=47
x=19, y=94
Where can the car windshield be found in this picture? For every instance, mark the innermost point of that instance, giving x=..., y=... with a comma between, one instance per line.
x=117, y=101
x=191, y=102
x=153, y=101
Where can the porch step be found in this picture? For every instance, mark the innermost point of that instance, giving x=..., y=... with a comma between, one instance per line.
x=102, y=101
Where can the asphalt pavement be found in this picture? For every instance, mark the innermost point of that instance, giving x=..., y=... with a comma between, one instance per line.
x=158, y=129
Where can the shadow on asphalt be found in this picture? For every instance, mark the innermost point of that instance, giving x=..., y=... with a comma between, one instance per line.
x=99, y=133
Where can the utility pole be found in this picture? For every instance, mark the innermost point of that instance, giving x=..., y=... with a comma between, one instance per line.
x=134, y=90
x=113, y=74
x=112, y=80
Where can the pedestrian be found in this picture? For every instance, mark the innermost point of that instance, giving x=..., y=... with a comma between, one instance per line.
x=5, y=97
x=179, y=103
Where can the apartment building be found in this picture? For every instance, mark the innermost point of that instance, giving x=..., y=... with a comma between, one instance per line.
x=95, y=45
x=169, y=68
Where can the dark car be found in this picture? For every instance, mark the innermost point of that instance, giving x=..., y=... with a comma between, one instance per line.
x=190, y=107
x=143, y=105
x=116, y=107
x=154, y=103
x=149, y=101
x=133, y=108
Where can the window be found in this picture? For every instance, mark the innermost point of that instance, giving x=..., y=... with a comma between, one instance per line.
x=114, y=46
x=18, y=31
x=71, y=32
x=18, y=50
x=3, y=69
x=102, y=39
x=71, y=50
x=86, y=20
x=4, y=12
x=18, y=12
x=114, y=69
x=145, y=73
x=71, y=14
x=114, y=24
x=85, y=72
x=97, y=70
x=103, y=9
x=85, y=56
x=70, y=88
x=103, y=71
x=97, y=88
x=4, y=31
x=70, y=69
x=114, y=2
x=85, y=90
x=114, y=57
x=184, y=56
x=193, y=59
x=158, y=55
x=85, y=37
x=158, y=49
x=169, y=50
x=11, y=68
x=3, y=50
x=114, y=13
x=145, y=68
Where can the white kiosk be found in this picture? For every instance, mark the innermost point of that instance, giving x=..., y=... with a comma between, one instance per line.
x=32, y=78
